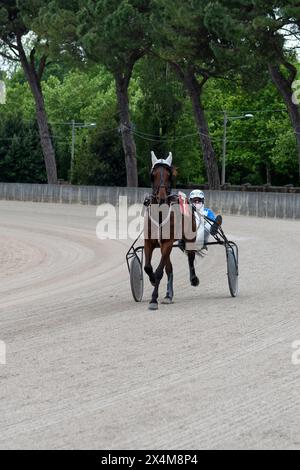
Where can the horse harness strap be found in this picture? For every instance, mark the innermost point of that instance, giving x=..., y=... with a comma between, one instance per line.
x=159, y=225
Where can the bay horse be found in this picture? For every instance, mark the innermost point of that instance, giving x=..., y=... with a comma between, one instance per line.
x=164, y=223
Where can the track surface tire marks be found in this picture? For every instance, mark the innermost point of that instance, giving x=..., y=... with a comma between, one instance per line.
x=87, y=367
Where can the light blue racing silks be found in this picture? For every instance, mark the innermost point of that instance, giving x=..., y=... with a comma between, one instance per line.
x=209, y=213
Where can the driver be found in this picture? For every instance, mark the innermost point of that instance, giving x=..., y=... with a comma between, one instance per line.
x=197, y=199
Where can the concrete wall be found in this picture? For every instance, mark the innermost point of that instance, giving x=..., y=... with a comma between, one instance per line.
x=68, y=194
x=264, y=204
x=282, y=205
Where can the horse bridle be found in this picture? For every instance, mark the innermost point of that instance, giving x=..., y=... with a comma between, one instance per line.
x=168, y=187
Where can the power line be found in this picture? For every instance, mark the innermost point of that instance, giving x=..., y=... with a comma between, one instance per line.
x=157, y=138
x=234, y=111
x=252, y=141
x=17, y=137
x=167, y=139
x=162, y=139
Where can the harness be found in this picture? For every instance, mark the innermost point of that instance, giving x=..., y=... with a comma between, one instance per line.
x=152, y=199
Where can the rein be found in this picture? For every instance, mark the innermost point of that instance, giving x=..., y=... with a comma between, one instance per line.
x=153, y=199
x=171, y=199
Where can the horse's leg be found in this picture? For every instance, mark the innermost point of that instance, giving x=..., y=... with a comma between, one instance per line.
x=166, y=249
x=170, y=292
x=193, y=278
x=148, y=249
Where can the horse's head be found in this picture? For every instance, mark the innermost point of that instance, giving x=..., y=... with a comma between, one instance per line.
x=161, y=178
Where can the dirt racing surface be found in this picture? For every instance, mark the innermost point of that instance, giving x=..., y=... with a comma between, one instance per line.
x=87, y=367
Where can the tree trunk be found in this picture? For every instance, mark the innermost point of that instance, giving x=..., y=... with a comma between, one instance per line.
x=268, y=174
x=128, y=142
x=41, y=115
x=210, y=160
x=284, y=86
x=44, y=132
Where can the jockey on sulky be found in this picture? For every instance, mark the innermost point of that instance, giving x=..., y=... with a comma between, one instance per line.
x=204, y=229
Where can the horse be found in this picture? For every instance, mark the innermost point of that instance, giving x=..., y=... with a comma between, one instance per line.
x=161, y=232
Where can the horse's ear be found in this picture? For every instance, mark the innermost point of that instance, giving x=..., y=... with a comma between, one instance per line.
x=154, y=159
x=169, y=159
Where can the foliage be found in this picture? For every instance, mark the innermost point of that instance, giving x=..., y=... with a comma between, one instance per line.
x=21, y=158
x=223, y=37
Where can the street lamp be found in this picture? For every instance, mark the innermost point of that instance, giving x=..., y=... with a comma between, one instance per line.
x=77, y=125
x=226, y=119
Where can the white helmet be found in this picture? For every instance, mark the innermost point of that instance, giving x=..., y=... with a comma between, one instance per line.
x=197, y=193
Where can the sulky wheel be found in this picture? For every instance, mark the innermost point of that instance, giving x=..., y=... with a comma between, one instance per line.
x=232, y=268
x=136, y=279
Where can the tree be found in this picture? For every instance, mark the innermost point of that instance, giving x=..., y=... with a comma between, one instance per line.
x=259, y=150
x=100, y=160
x=261, y=27
x=282, y=66
x=255, y=147
x=21, y=159
x=157, y=100
x=182, y=39
x=113, y=33
x=15, y=29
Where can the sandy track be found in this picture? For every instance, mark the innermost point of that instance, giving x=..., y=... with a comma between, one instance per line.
x=89, y=368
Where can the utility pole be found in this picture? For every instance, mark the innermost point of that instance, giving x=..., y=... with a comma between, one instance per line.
x=75, y=125
x=226, y=119
x=73, y=150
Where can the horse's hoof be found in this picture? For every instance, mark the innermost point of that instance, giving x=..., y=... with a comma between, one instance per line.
x=153, y=306
x=195, y=281
x=167, y=300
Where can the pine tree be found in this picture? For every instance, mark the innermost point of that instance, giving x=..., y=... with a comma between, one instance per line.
x=181, y=38
x=258, y=30
x=113, y=33
x=16, y=19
